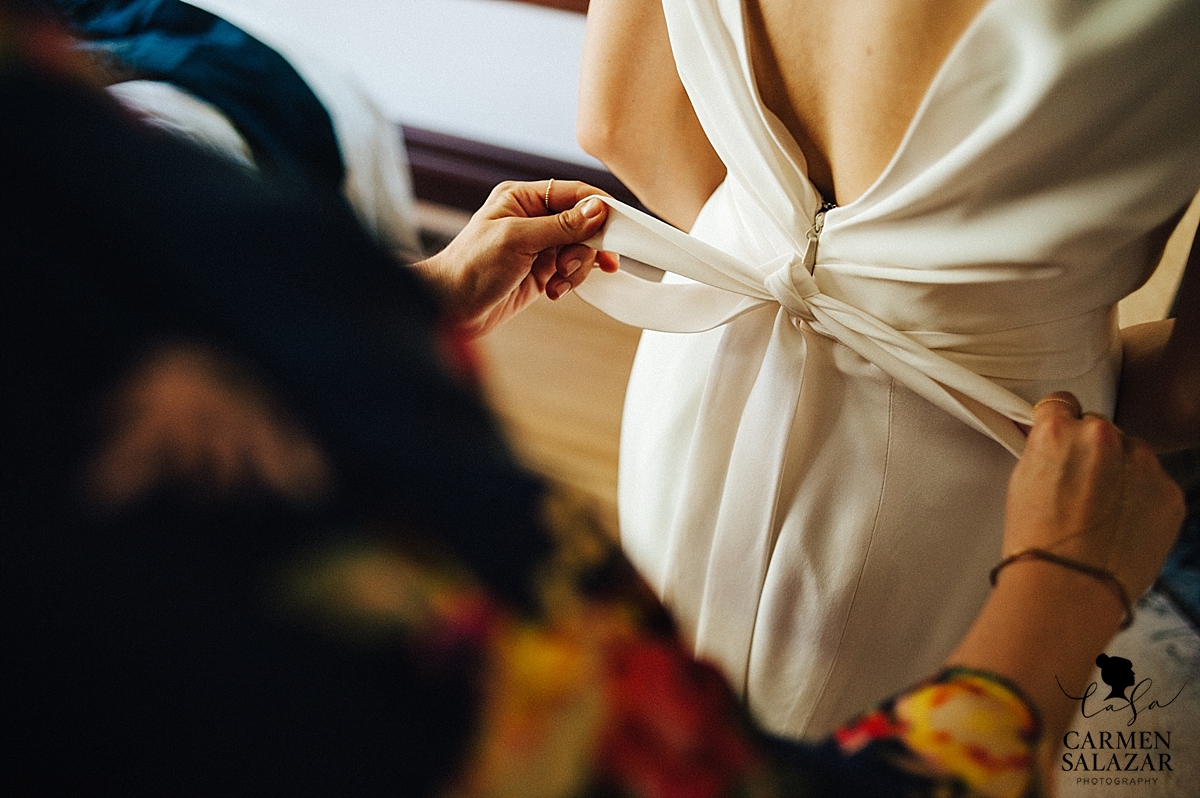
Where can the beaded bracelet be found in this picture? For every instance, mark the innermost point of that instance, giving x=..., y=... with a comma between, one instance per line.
x=1090, y=570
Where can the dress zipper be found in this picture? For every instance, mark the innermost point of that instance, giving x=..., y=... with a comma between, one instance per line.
x=814, y=235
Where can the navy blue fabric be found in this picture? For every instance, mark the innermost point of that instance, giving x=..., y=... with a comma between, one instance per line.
x=287, y=128
x=1180, y=578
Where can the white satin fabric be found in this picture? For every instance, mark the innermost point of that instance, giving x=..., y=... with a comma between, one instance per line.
x=813, y=478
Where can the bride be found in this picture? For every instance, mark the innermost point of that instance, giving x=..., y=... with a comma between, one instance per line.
x=974, y=185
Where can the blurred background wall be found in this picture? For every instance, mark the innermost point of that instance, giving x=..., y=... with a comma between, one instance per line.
x=494, y=71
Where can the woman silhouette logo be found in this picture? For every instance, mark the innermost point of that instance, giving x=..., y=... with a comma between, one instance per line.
x=1117, y=673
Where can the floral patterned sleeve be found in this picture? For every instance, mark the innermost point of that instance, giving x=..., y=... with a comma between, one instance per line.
x=963, y=726
x=598, y=697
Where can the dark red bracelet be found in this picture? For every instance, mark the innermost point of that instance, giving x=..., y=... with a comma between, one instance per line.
x=1083, y=568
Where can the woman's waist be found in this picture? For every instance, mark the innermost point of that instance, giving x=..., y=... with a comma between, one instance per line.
x=1011, y=321
x=1081, y=354
x=997, y=330
x=1055, y=349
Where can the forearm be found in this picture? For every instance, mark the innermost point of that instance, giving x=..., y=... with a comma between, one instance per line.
x=635, y=116
x=1042, y=626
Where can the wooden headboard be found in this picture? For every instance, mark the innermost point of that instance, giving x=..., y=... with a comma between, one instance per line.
x=460, y=173
x=566, y=5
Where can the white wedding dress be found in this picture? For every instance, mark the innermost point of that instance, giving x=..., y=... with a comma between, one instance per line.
x=815, y=484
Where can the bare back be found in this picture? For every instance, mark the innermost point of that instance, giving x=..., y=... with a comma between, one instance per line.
x=846, y=78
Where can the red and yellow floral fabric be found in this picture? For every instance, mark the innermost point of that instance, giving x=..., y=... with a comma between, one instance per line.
x=597, y=696
x=963, y=725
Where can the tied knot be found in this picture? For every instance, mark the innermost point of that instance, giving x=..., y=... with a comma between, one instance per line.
x=790, y=284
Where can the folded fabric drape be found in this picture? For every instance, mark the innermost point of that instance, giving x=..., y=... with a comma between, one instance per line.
x=726, y=288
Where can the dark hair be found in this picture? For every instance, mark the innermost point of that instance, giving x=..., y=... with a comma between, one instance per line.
x=32, y=10
x=23, y=6
x=1117, y=673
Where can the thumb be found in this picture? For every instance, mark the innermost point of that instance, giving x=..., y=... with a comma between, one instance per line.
x=568, y=227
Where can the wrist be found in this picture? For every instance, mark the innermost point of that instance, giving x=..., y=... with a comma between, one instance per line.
x=434, y=273
x=1040, y=610
x=1042, y=628
x=1101, y=576
x=1072, y=590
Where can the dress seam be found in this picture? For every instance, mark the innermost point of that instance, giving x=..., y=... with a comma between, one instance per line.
x=887, y=456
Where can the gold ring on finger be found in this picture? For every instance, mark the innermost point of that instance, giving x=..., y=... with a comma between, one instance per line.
x=1074, y=405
